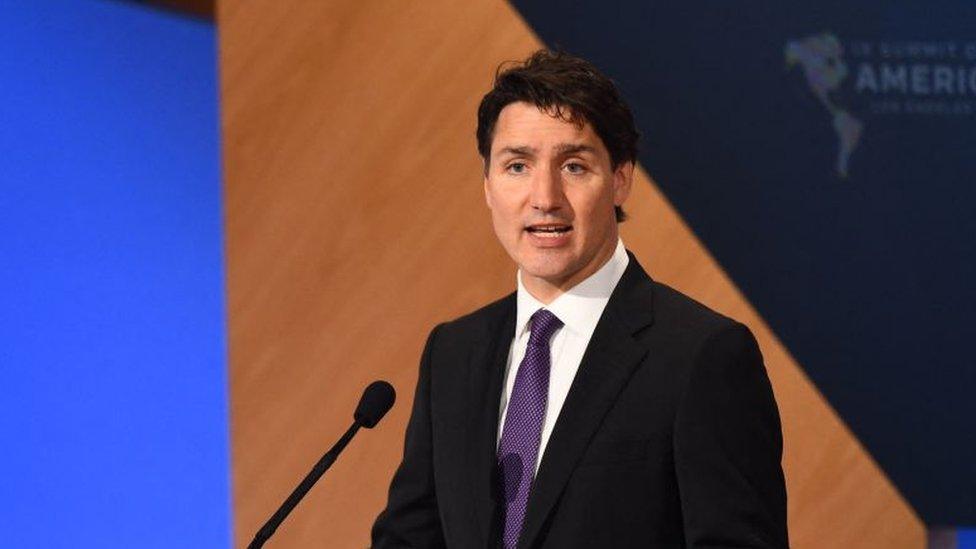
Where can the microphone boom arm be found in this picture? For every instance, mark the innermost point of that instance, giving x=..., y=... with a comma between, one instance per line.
x=376, y=401
x=310, y=479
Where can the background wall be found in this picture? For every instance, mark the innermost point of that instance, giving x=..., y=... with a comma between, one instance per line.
x=113, y=413
x=355, y=222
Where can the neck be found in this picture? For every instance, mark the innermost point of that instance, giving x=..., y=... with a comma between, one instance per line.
x=546, y=290
x=541, y=290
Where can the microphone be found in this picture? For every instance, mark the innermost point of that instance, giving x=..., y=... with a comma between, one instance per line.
x=376, y=401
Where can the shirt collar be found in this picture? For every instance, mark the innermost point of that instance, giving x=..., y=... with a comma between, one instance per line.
x=581, y=306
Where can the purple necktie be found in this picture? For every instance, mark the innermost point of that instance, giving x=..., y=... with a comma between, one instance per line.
x=519, y=447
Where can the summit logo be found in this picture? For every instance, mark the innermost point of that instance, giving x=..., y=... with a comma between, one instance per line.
x=860, y=79
x=822, y=59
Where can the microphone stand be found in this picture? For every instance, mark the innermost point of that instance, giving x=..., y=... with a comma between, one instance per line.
x=310, y=479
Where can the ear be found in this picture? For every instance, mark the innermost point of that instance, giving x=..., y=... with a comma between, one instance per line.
x=487, y=194
x=623, y=178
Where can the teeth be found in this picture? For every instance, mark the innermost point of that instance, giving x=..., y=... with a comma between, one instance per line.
x=548, y=232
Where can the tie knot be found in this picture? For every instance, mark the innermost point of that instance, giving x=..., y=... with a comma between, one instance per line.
x=544, y=324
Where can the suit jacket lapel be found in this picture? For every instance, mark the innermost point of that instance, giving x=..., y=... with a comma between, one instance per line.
x=486, y=372
x=608, y=363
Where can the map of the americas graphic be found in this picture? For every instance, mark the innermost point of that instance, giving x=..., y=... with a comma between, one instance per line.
x=823, y=65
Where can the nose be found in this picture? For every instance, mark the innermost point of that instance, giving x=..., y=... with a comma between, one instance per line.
x=547, y=191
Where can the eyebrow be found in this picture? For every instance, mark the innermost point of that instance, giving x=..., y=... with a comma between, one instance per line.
x=518, y=151
x=562, y=148
x=573, y=148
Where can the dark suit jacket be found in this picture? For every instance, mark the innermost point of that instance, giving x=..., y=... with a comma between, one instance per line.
x=669, y=437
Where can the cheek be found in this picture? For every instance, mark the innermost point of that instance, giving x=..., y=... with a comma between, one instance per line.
x=593, y=208
x=504, y=207
x=503, y=220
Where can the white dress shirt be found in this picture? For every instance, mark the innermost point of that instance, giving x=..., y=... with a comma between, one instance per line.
x=579, y=309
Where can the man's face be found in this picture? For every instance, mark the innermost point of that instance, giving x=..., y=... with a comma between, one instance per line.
x=551, y=191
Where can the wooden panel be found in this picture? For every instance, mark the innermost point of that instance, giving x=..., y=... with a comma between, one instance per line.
x=355, y=222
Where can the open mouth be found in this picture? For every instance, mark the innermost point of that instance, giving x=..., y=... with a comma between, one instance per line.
x=549, y=230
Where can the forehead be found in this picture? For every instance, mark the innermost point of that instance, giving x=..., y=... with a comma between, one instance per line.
x=526, y=125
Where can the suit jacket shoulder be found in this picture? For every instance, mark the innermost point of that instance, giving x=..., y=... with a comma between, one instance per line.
x=680, y=314
x=481, y=322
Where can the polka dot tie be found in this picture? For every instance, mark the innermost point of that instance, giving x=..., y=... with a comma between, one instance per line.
x=519, y=446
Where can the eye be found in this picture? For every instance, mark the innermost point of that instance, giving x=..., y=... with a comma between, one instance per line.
x=575, y=168
x=516, y=168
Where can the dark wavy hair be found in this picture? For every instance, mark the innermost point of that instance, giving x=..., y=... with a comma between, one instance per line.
x=568, y=87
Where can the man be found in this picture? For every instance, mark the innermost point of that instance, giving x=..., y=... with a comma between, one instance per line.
x=593, y=407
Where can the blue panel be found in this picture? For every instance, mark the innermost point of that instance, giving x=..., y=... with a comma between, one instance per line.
x=862, y=261
x=966, y=539
x=111, y=312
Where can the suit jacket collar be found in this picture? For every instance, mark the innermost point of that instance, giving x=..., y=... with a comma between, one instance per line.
x=610, y=358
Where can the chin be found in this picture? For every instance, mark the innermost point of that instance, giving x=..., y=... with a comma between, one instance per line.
x=551, y=269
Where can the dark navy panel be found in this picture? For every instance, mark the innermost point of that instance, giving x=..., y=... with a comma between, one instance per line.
x=112, y=349
x=825, y=153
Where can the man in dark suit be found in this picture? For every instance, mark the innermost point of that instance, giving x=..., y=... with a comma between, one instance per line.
x=593, y=407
